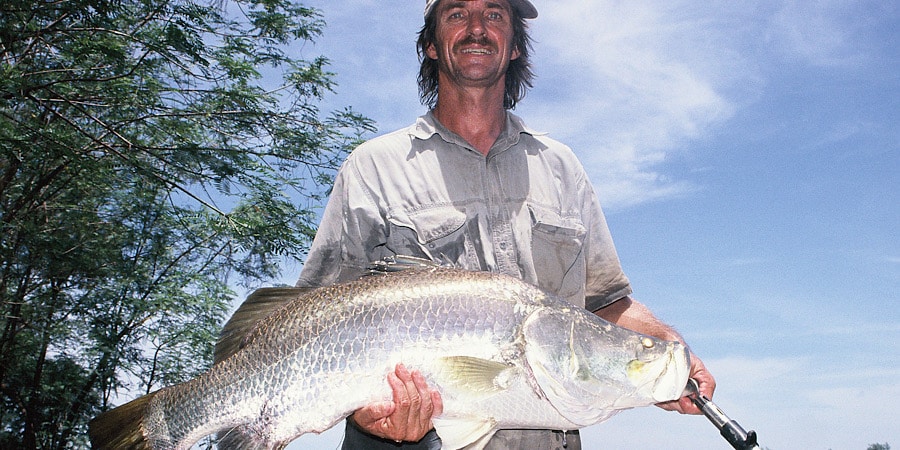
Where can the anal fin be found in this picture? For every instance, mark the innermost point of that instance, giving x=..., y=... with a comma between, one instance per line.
x=470, y=434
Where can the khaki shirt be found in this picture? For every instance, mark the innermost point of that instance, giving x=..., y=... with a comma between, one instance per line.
x=527, y=209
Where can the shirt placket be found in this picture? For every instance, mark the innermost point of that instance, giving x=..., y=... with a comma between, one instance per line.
x=500, y=222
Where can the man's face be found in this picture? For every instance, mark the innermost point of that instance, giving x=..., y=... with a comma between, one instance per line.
x=473, y=41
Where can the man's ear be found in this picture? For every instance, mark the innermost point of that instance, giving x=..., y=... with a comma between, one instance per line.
x=431, y=51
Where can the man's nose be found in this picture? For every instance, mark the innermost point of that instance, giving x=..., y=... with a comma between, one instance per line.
x=476, y=24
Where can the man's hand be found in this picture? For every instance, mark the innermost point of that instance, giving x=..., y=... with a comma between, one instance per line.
x=707, y=384
x=408, y=416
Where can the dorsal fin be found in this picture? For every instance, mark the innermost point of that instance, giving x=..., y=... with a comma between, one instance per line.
x=264, y=301
x=258, y=305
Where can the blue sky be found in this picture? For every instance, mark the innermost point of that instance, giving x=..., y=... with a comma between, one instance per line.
x=747, y=155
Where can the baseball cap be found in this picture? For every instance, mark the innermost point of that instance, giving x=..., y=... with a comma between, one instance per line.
x=524, y=7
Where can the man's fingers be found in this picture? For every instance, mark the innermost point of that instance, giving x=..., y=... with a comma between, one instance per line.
x=373, y=418
x=438, y=403
x=418, y=404
x=426, y=405
x=688, y=407
x=424, y=394
x=413, y=405
x=397, y=424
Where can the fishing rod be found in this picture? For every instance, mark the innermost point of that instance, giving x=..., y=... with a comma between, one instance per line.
x=731, y=430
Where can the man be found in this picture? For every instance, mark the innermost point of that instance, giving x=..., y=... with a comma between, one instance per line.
x=469, y=184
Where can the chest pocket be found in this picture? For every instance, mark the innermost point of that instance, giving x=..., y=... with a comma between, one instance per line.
x=556, y=247
x=441, y=234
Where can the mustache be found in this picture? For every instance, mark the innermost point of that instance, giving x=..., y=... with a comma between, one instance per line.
x=477, y=40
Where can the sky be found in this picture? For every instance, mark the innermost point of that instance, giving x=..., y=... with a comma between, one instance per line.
x=747, y=155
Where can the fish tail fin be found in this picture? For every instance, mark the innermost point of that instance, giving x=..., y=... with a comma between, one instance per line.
x=121, y=428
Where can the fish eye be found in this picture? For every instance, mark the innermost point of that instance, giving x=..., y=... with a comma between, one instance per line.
x=648, y=343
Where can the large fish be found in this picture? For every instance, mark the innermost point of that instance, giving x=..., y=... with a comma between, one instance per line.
x=502, y=353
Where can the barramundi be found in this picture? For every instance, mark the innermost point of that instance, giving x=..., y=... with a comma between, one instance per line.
x=501, y=352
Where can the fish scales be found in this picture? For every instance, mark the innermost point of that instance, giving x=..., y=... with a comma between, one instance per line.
x=503, y=354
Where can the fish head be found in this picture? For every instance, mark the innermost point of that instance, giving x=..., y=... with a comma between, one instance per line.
x=589, y=368
x=659, y=370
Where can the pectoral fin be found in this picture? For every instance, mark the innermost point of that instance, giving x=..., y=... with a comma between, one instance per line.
x=476, y=375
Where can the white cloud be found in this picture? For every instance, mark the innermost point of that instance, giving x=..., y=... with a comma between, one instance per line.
x=820, y=33
x=641, y=80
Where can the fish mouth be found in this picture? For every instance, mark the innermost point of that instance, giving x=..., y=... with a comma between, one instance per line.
x=664, y=378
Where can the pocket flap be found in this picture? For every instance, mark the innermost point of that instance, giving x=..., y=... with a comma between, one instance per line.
x=431, y=224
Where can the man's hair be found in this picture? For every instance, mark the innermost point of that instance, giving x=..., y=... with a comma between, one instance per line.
x=518, y=76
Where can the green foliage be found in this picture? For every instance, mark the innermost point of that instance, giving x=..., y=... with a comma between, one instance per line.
x=884, y=446
x=145, y=160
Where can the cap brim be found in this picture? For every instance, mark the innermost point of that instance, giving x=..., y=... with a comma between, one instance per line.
x=526, y=9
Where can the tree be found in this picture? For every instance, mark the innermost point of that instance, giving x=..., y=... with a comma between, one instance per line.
x=144, y=162
x=884, y=446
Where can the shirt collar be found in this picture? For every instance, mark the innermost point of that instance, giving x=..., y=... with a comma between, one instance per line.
x=428, y=125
